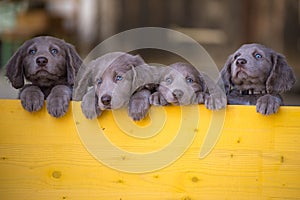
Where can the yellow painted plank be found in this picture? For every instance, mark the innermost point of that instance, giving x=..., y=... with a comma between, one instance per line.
x=256, y=157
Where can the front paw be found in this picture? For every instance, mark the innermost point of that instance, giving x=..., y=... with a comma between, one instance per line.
x=268, y=104
x=138, y=108
x=200, y=98
x=89, y=108
x=157, y=99
x=139, y=104
x=58, y=100
x=32, y=98
x=57, y=106
x=215, y=101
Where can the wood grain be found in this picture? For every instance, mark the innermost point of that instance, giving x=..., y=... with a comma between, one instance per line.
x=256, y=157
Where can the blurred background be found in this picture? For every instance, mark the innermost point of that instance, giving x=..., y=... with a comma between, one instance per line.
x=221, y=26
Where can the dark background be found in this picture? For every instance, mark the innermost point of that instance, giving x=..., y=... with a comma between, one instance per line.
x=221, y=26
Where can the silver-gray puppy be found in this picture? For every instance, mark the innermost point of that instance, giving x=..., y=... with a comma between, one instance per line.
x=256, y=75
x=50, y=65
x=117, y=80
x=182, y=84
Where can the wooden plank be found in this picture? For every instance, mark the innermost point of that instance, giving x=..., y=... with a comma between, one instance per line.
x=256, y=157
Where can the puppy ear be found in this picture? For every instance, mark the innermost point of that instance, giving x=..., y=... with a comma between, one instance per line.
x=138, y=60
x=73, y=63
x=134, y=83
x=14, y=68
x=226, y=74
x=282, y=77
x=203, y=81
x=84, y=79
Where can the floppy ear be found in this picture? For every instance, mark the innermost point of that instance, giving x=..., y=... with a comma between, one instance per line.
x=135, y=83
x=136, y=63
x=226, y=74
x=281, y=77
x=209, y=85
x=14, y=68
x=73, y=63
x=203, y=81
x=84, y=79
x=138, y=60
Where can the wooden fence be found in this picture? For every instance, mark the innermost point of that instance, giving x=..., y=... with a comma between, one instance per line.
x=254, y=157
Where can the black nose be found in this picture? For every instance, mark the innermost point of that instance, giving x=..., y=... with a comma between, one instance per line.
x=41, y=61
x=177, y=94
x=241, y=61
x=106, y=99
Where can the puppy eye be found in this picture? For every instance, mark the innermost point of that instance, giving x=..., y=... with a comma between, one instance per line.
x=189, y=80
x=32, y=51
x=99, y=81
x=119, y=78
x=168, y=80
x=257, y=55
x=54, y=51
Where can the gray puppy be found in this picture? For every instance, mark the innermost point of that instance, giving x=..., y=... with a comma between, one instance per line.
x=50, y=64
x=116, y=80
x=256, y=75
x=182, y=84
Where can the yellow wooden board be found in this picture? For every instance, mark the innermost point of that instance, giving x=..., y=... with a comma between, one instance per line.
x=255, y=157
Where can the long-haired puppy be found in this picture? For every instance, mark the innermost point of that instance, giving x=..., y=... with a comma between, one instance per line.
x=256, y=75
x=183, y=84
x=50, y=64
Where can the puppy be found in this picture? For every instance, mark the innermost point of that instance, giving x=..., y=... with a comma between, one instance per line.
x=50, y=64
x=117, y=80
x=182, y=84
x=256, y=75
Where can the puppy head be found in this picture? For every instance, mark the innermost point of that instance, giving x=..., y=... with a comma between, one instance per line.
x=180, y=84
x=89, y=74
x=45, y=61
x=256, y=67
x=114, y=87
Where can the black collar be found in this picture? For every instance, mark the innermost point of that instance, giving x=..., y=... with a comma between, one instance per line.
x=249, y=92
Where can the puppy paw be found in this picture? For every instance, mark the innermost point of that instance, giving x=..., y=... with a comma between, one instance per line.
x=200, y=98
x=215, y=101
x=139, y=105
x=157, y=99
x=58, y=101
x=32, y=98
x=268, y=104
x=57, y=106
x=89, y=108
x=138, y=109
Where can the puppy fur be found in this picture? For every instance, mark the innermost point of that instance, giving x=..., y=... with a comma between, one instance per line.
x=117, y=80
x=182, y=84
x=50, y=64
x=256, y=75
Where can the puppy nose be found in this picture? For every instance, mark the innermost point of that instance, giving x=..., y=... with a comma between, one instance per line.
x=241, y=61
x=177, y=94
x=41, y=61
x=106, y=99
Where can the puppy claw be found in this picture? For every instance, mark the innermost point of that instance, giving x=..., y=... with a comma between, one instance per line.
x=215, y=102
x=139, y=105
x=32, y=104
x=268, y=104
x=200, y=98
x=157, y=99
x=57, y=106
x=137, y=116
x=32, y=99
x=138, y=110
